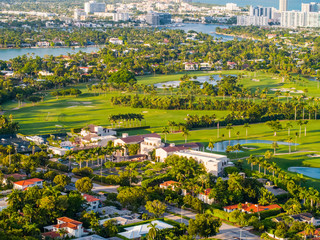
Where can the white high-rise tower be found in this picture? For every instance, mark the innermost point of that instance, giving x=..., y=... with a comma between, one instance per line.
x=283, y=5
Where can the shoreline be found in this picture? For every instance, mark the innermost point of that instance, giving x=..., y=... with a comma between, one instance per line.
x=54, y=47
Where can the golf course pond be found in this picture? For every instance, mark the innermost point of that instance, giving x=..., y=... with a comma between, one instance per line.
x=222, y=146
x=307, y=171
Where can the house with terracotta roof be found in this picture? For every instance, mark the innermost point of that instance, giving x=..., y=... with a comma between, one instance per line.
x=136, y=139
x=251, y=208
x=24, y=184
x=93, y=202
x=72, y=227
x=204, y=196
x=164, y=152
x=169, y=185
x=14, y=176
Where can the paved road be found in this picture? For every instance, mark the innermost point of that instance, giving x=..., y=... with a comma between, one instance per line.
x=227, y=232
x=98, y=188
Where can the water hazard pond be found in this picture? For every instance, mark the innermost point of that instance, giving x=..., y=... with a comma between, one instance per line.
x=307, y=171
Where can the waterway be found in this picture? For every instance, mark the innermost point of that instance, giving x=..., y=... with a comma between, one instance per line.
x=7, y=54
x=307, y=171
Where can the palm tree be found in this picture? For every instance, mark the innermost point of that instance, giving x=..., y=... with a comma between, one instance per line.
x=229, y=128
x=165, y=131
x=289, y=141
x=300, y=123
x=274, y=145
x=251, y=160
x=153, y=231
x=309, y=229
x=185, y=134
x=9, y=150
x=305, y=128
x=272, y=167
x=203, y=178
x=246, y=126
x=289, y=126
x=211, y=145
x=33, y=146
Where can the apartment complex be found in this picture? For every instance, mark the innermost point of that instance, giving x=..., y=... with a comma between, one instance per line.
x=93, y=7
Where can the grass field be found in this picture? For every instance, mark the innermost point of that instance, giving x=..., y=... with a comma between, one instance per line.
x=90, y=108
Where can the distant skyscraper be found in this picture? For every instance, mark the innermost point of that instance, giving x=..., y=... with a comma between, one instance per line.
x=92, y=7
x=283, y=5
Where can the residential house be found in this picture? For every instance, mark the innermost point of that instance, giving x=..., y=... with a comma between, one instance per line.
x=24, y=184
x=14, y=176
x=98, y=130
x=231, y=65
x=45, y=73
x=306, y=218
x=205, y=66
x=250, y=208
x=43, y=44
x=72, y=227
x=137, y=139
x=169, y=185
x=204, y=196
x=84, y=69
x=214, y=163
x=164, y=152
x=149, y=144
x=93, y=202
x=58, y=151
x=191, y=66
x=116, y=41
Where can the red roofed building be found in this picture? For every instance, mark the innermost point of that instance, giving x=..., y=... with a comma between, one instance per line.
x=72, y=227
x=163, y=153
x=231, y=65
x=251, y=208
x=50, y=235
x=92, y=201
x=169, y=185
x=15, y=176
x=24, y=184
x=204, y=196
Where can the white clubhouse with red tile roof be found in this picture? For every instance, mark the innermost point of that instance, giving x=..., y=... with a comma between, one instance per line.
x=93, y=202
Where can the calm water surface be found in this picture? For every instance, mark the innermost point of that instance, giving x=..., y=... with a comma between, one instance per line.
x=307, y=171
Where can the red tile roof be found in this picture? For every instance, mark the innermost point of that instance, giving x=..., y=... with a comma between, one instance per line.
x=253, y=207
x=138, y=138
x=28, y=181
x=16, y=176
x=51, y=234
x=168, y=183
x=69, y=220
x=90, y=198
x=206, y=192
x=181, y=147
x=66, y=225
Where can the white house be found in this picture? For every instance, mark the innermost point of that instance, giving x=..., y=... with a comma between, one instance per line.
x=116, y=41
x=93, y=202
x=72, y=227
x=100, y=131
x=45, y=73
x=204, y=196
x=191, y=66
x=150, y=143
x=169, y=185
x=24, y=184
x=214, y=163
x=58, y=151
x=164, y=152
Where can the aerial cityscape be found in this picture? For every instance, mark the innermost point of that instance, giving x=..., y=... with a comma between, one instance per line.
x=159, y=119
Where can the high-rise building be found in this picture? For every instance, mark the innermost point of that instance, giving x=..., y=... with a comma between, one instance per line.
x=261, y=11
x=92, y=7
x=294, y=19
x=119, y=16
x=79, y=14
x=310, y=7
x=154, y=18
x=283, y=5
x=252, y=21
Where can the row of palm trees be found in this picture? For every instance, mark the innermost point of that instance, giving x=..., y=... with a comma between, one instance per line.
x=127, y=118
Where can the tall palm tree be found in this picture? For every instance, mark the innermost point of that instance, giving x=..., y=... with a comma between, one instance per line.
x=289, y=126
x=203, y=178
x=251, y=160
x=289, y=141
x=185, y=134
x=272, y=167
x=229, y=128
x=246, y=126
x=33, y=146
x=165, y=131
x=305, y=127
x=300, y=123
x=274, y=145
x=9, y=151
